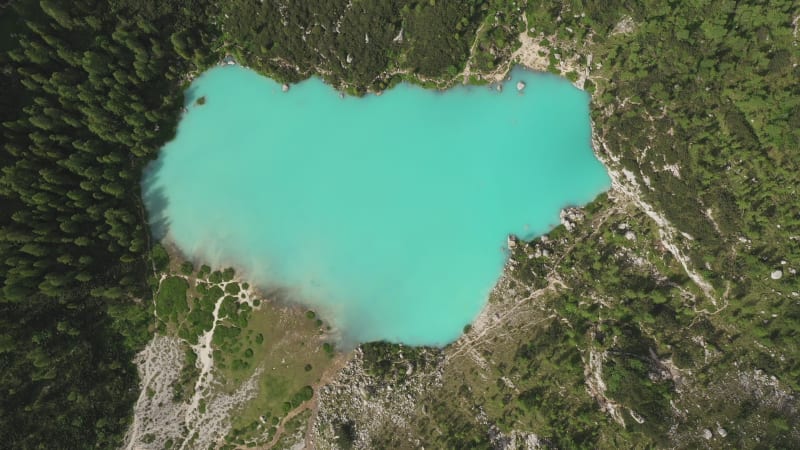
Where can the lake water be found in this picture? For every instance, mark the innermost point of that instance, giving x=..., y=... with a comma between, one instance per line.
x=388, y=215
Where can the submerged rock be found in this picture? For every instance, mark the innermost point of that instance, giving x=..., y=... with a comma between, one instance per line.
x=228, y=60
x=520, y=86
x=285, y=87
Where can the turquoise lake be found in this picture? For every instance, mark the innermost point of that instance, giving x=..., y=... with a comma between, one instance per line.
x=386, y=214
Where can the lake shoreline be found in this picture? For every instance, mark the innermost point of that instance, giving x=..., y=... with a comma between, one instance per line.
x=445, y=161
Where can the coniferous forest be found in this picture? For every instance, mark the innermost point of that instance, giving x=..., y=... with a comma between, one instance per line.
x=92, y=89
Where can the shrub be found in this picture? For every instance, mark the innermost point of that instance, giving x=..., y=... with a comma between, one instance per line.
x=187, y=268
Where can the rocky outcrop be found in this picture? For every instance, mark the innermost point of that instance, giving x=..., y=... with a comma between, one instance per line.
x=570, y=217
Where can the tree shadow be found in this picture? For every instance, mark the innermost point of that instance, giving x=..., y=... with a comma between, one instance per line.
x=155, y=200
x=190, y=96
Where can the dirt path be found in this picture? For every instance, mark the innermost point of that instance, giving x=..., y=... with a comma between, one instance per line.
x=467, y=70
x=205, y=363
x=327, y=377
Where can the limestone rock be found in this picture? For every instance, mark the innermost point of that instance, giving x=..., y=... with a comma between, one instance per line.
x=776, y=275
x=511, y=241
x=570, y=217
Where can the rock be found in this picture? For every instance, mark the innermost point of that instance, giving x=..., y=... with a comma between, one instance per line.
x=776, y=275
x=285, y=87
x=341, y=94
x=722, y=431
x=636, y=416
x=570, y=217
x=630, y=235
x=566, y=222
x=349, y=58
x=520, y=86
x=793, y=271
x=707, y=434
x=511, y=241
x=499, y=88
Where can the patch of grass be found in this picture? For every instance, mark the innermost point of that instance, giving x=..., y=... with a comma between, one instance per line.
x=160, y=257
x=171, y=299
x=290, y=356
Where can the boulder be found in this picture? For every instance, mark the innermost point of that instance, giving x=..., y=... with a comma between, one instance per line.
x=511, y=241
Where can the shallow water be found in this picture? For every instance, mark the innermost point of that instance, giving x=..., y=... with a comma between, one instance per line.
x=387, y=214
